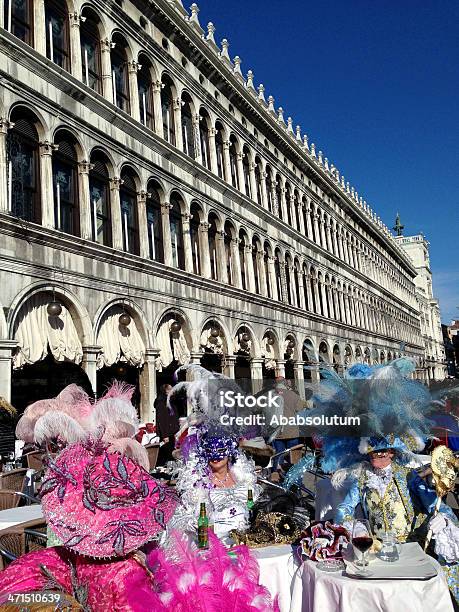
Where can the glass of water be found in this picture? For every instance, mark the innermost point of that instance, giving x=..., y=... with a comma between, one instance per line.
x=390, y=550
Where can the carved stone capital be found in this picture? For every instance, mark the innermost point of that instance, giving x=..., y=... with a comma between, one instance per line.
x=5, y=125
x=84, y=167
x=47, y=148
x=75, y=19
x=142, y=196
x=134, y=67
x=166, y=207
x=106, y=45
x=116, y=182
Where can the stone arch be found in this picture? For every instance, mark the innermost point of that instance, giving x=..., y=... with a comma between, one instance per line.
x=41, y=124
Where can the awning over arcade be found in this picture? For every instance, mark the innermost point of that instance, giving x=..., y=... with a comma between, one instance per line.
x=119, y=342
x=37, y=330
x=172, y=346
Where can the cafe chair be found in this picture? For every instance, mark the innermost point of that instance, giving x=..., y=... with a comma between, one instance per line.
x=12, y=546
x=152, y=451
x=14, y=480
x=34, y=460
x=9, y=499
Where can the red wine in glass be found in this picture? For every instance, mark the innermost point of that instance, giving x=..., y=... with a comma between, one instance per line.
x=362, y=543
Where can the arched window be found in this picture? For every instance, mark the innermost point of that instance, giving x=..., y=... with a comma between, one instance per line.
x=267, y=274
x=288, y=279
x=219, y=151
x=269, y=189
x=23, y=167
x=99, y=191
x=255, y=248
x=204, y=138
x=288, y=204
x=246, y=168
x=258, y=180
x=297, y=284
x=277, y=272
x=90, y=50
x=195, y=223
x=154, y=222
x=279, y=197
x=233, y=162
x=65, y=183
x=242, y=245
x=296, y=203
x=120, y=77
x=187, y=127
x=129, y=220
x=167, y=110
x=229, y=234
x=305, y=288
x=57, y=33
x=175, y=220
x=212, y=234
x=19, y=19
x=314, y=305
x=145, y=89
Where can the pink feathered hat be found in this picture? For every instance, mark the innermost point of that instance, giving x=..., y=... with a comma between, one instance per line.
x=103, y=504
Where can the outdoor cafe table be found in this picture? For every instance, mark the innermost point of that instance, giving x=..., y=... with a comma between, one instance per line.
x=316, y=591
x=20, y=517
x=278, y=569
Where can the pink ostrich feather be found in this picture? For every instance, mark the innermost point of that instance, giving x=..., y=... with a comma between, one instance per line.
x=120, y=390
x=108, y=411
x=56, y=424
x=211, y=582
x=132, y=449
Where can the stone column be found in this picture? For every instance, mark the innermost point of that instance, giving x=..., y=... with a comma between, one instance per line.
x=4, y=190
x=347, y=308
x=275, y=201
x=115, y=209
x=157, y=108
x=147, y=385
x=230, y=362
x=222, y=270
x=293, y=286
x=331, y=305
x=187, y=250
x=272, y=277
x=308, y=221
x=249, y=268
x=134, y=104
x=144, y=243
x=253, y=182
x=307, y=281
x=89, y=365
x=256, y=374
x=336, y=303
x=195, y=357
x=197, y=139
x=75, y=45
x=262, y=273
x=177, y=106
x=166, y=228
x=280, y=367
x=315, y=375
x=240, y=173
x=39, y=22
x=293, y=211
x=316, y=296
x=213, y=150
x=298, y=369
x=339, y=241
x=264, y=192
x=323, y=239
x=315, y=221
x=226, y=162
x=329, y=237
x=46, y=183
x=106, y=47
x=6, y=366
x=86, y=212
x=237, y=280
x=204, y=249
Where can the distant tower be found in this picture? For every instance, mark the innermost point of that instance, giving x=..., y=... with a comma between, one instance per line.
x=398, y=227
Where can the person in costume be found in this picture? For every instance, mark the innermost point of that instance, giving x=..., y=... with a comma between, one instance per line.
x=107, y=511
x=377, y=467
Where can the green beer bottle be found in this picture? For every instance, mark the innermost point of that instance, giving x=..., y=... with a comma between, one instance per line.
x=250, y=505
x=203, y=527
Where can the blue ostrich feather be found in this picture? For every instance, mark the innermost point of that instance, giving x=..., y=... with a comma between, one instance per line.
x=295, y=474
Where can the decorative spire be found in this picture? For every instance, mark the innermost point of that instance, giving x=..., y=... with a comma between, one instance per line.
x=290, y=127
x=326, y=164
x=271, y=105
x=321, y=161
x=398, y=227
x=194, y=19
x=305, y=143
x=210, y=38
x=280, y=116
x=343, y=184
x=313, y=150
x=250, y=86
x=224, y=52
x=237, y=68
x=298, y=133
x=261, y=93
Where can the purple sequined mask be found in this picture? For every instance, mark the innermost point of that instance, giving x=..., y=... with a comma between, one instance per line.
x=216, y=448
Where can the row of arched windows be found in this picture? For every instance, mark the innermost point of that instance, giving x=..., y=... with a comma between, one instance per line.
x=108, y=68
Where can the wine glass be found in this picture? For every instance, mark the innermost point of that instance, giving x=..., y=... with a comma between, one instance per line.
x=362, y=540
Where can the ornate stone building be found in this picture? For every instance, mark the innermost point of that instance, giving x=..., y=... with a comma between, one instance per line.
x=155, y=209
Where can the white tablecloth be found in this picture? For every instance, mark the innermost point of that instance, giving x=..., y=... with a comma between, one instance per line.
x=277, y=572
x=317, y=591
x=16, y=516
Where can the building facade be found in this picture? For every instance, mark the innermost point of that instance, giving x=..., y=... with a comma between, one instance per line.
x=433, y=365
x=156, y=209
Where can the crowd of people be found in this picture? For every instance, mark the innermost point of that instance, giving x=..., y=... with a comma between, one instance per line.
x=120, y=538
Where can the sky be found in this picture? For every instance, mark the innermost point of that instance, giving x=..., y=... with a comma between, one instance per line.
x=375, y=85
